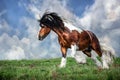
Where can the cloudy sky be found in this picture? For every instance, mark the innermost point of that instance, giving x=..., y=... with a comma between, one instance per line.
x=19, y=26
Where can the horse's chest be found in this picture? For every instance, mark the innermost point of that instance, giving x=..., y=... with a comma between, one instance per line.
x=64, y=41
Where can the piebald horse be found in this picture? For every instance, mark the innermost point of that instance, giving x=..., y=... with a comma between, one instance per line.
x=84, y=41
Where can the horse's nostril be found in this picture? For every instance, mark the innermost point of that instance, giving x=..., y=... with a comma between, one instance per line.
x=40, y=38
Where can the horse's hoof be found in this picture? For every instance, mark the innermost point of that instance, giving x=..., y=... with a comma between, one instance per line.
x=100, y=68
x=105, y=67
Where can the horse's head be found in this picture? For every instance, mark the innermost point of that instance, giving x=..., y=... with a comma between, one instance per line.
x=48, y=22
x=44, y=31
x=51, y=20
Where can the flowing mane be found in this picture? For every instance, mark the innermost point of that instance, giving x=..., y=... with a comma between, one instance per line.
x=52, y=20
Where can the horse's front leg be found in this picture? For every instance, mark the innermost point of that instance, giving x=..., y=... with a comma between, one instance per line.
x=73, y=49
x=64, y=58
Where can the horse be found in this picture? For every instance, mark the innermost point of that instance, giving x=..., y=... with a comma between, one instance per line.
x=84, y=41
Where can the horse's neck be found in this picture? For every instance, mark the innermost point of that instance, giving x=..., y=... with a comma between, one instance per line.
x=67, y=29
x=61, y=32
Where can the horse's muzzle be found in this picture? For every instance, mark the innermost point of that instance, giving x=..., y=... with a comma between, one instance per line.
x=40, y=38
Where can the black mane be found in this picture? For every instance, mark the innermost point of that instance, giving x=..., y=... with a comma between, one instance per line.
x=52, y=20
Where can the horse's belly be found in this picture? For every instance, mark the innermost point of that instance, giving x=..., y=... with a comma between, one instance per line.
x=83, y=45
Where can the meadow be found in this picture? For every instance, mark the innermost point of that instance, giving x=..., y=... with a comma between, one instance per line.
x=47, y=69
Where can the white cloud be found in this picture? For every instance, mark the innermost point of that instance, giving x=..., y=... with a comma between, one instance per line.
x=15, y=53
x=86, y=21
x=26, y=41
x=35, y=10
x=10, y=45
x=4, y=26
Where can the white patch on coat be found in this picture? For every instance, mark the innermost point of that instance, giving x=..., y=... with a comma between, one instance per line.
x=73, y=50
x=72, y=27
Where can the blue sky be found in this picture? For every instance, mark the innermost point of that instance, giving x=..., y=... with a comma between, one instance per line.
x=78, y=6
x=19, y=26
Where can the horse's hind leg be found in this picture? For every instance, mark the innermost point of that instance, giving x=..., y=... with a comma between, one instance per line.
x=94, y=58
x=87, y=53
x=97, y=49
x=97, y=62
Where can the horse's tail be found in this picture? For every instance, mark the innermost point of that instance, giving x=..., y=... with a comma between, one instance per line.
x=108, y=55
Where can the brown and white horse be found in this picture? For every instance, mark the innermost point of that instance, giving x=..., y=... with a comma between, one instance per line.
x=84, y=41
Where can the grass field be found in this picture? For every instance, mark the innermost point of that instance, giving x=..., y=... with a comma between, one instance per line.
x=49, y=70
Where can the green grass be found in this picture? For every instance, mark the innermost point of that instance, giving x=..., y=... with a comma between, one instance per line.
x=49, y=70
